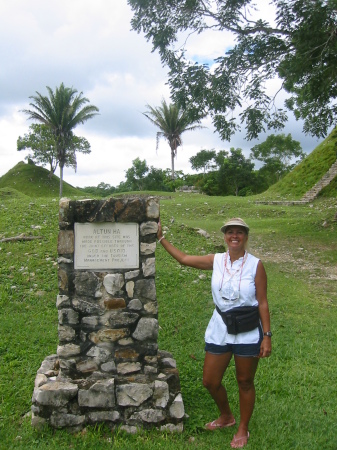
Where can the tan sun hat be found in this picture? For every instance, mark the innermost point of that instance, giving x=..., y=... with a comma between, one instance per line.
x=235, y=221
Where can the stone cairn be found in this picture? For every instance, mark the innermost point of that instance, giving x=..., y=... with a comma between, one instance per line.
x=108, y=367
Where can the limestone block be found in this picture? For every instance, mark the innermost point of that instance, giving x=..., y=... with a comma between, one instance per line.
x=130, y=275
x=148, y=228
x=65, y=243
x=110, y=366
x=109, y=335
x=64, y=209
x=59, y=420
x=150, y=370
x=145, y=289
x=113, y=282
x=125, y=368
x=100, y=395
x=127, y=341
x=87, y=366
x=172, y=428
x=114, y=303
x=177, y=410
x=40, y=380
x=169, y=362
x=149, y=416
x=103, y=416
x=99, y=354
x=67, y=350
x=147, y=249
x=147, y=328
x=66, y=333
x=68, y=316
x=86, y=284
x=149, y=267
x=91, y=321
x=50, y=364
x=85, y=307
x=62, y=280
x=62, y=301
x=55, y=393
x=151, y=307
x=161, y=393
x=67, y=364
x=64, y=260
x=127, y=353
x=135, y=304
x=152, y=209
x=120, y=319
x=133, y=394
x=130, y=286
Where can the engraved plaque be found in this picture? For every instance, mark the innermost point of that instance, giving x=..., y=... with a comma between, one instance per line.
x=104, y=246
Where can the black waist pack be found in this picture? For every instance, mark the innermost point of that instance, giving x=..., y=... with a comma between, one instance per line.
x=241, y=319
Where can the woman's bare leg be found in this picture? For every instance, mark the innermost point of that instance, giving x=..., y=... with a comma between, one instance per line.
x=245, y=373
x=214, y=369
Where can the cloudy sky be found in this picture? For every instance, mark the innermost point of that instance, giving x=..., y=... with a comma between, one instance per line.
x=89, y=45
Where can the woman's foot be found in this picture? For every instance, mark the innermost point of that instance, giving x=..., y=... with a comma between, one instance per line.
x=239, y=442
x=220, y=423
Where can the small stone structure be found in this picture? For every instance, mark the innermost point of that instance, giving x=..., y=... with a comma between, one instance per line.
x=108, y=367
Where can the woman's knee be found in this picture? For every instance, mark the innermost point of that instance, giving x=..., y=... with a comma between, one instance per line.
x=245, y=383
x=210, y=383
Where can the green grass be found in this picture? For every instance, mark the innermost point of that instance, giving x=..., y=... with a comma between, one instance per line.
x=306, y=174
x=35, y=182
x=296, y=388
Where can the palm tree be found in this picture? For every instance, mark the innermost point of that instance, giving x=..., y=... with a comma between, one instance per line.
x=172, y=122
x=62, y=111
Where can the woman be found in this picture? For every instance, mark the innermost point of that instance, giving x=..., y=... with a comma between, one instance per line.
x=240, y=324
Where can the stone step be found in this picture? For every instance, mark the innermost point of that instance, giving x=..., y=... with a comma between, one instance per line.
x=322, y=183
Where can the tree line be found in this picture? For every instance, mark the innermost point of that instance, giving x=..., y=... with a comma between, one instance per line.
x=222, y=172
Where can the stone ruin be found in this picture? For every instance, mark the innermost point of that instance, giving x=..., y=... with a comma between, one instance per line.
x=108, y=367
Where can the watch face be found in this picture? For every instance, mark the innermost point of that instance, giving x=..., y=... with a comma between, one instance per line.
x=268, y=333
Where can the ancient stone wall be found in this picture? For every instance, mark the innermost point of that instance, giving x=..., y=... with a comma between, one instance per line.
x=108, y=367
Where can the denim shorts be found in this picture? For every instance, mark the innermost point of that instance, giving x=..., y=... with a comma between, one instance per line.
x=244, y=350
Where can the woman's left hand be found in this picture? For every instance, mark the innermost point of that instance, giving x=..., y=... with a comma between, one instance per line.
x=265, y=349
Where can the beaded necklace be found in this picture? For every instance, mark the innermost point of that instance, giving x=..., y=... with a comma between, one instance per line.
x=231, y=274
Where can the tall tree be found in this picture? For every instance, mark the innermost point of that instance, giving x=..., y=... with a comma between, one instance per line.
x=41, y=141
x=202, y=160
x=235, y=173
x=298, y=45
x=172, y=122
x=62, y=111
x=277, y=152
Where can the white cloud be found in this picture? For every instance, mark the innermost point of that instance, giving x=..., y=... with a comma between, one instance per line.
x=90, y=46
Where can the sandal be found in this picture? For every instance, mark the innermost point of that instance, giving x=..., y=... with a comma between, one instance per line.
x=240, y=442
x=211, y=426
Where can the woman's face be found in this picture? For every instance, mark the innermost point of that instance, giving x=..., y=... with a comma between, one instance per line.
x=236, y=237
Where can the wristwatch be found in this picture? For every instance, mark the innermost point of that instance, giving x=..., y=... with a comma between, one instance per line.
x=268, y=333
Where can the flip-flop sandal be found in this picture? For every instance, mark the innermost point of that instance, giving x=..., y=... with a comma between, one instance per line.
x=240, y=442
x=215, y=426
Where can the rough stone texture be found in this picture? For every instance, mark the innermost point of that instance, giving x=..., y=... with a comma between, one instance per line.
x=108, y=367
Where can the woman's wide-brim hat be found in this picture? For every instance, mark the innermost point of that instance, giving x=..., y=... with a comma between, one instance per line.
x=235, y=221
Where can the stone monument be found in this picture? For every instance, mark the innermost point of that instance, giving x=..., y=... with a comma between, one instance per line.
x=108, y=367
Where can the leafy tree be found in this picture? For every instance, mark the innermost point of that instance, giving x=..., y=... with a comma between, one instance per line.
x=235, y=173
x=62, y=111
x=172, y=122
x=202, y=160
x=298, y=45
x=41, y=141
x=135, y=175
x=276, y=152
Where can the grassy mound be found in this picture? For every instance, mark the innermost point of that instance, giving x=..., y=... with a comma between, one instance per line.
x=35, y=181
x=304, y=176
